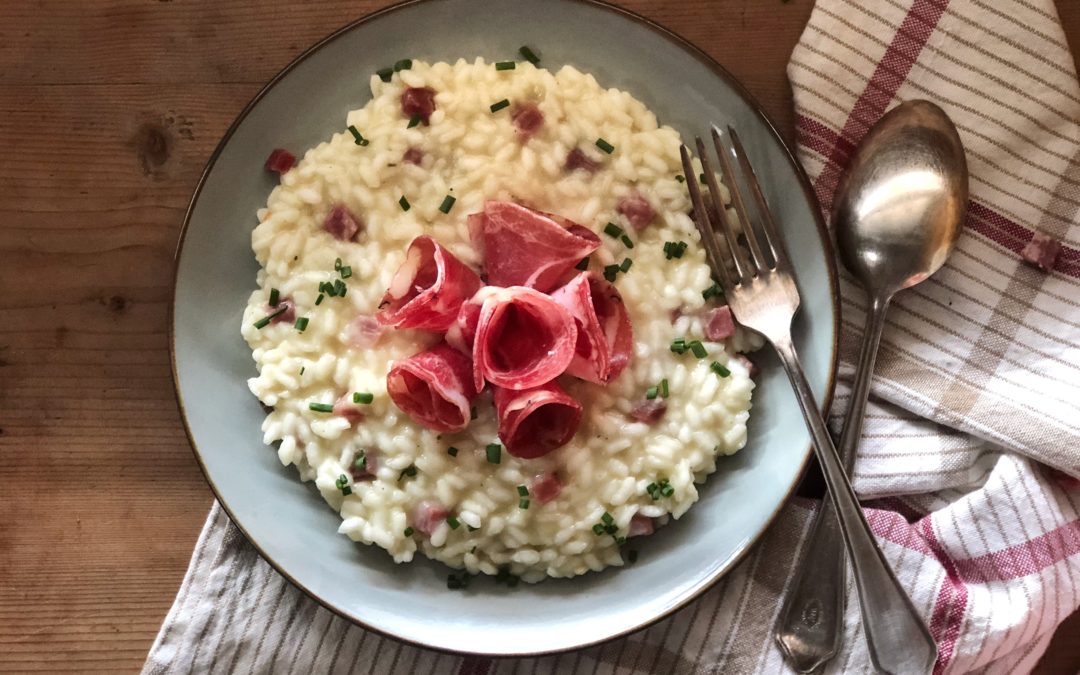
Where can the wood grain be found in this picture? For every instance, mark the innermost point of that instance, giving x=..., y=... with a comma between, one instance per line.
x=108, y=111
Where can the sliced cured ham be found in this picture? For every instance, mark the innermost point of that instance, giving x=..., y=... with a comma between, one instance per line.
x=462, y=333
x=605, y=336
x=434, y=388
x=522, y=247
x=536, y=421
x=428, y=289
x=523, y=338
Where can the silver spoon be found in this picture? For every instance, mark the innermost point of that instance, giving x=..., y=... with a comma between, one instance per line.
x=897, y=213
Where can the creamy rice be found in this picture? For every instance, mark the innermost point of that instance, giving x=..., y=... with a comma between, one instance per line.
x=474, y=155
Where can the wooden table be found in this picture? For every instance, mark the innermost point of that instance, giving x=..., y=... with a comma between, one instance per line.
x=108, y=111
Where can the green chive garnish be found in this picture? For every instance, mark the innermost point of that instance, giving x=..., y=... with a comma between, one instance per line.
x=605, y=146
x=301, y=370
x=611, y=271
x=321, y=407
x=651, y=393
x=598, y=529
x=275, y=297
x=265, y=321
x=625, y=265
x=681, y=178
x=447, y=203
x=627, y=241
x=612, y=230
x=505, y=65
x=403, y=64
x=678, y=345
x=346, y=272
x=360, y=463
x=340, y=288
x=494, y=453
x=702, y=178
x=318, y=300
x=385, y=74
x=664, y=388
x=404, y=203
x=607, y=519
x=583, y=265
x=408, y=532
x=529, y=55
x=698, y=349
x=337, y=264
x=523, y=491
x=452, y=451
x=496, y=107
x=342, y=484
x=409, y=471
x=712, y=292
x=301, y=324
x=674, y=249
x=413, y=121
x=453, y=522
x=364, y=397
x=720, y=369
x=357, y=137
x=523, y=503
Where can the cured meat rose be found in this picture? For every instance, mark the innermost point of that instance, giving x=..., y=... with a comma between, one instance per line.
x=342, y=224
x=719, y=325
x=419, y=102
x=523, y=338
x=527, y=120
x=605, y=337
x=534, y=422
x=545, y=487
x=434, y=388
x=428, y=515
x=637, y=210
x=363, y=332
x=523, y=247
x=1042, y=251
x=280, y=161
x=428, y=289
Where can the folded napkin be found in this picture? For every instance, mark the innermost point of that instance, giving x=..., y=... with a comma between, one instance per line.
x=971, y=452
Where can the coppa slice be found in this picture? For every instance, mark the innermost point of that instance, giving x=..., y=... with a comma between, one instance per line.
x=523, y=247
x=523, y=338
x=434, y=388
x=536, y=421
x=605, y=336
x=428, y=289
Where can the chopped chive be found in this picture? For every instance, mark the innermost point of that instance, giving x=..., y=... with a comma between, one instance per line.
x=318, y=300
x=403, y=64
x=678, y=345
x=712, y=292
x=607, y=519
x=275, y=297
x=702, y=178
x=523, y=491
x=404, y=203
x=345, y=272
x=529, y=55
x=583, y=265
x=265, y=321
x=360, y=463
x=301, y=370
x=698, y=349
x=385, y=74
x=452, y=451
x=321, y=407
x=681, y=178
x=523, y=503
x=624, y=266
x=611, y=529
x=499, y=105
x=720, y=369
x=472, y=413
x=631, y=556
x=358, y=138
x=664, y=388
x=301, y=324
x=413, y=121
x=651, y=393
x=605, y=146
x=612, y=230
x=340, y=288
x=611, y=271
x=453, y=522
x=674, y=249
x=627, y=241
x=620, y=541
x=409, y=472
x=666, y=490
x=447, y=203
x=505, y=65
x=598, y=529
x=337, y=264
x=342, y=484
x=364, y=397
x=408, y=532
x=494, y=453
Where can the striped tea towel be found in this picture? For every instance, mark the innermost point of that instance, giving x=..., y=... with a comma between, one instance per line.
x=970, y=454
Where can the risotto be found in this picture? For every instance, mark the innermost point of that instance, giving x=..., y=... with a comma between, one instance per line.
x=423, y=428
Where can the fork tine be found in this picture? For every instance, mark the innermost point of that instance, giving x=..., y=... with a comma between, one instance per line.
x=738, y=202
x=742, y=265
x=772, y=235
x=701, y=220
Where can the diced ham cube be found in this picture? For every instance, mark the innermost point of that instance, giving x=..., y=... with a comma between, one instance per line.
x=750, y=366
x=649, y=412
x=428, y=515
x=527, y=120
x=637, y=210
x=719, y=324
x=363, y=332
x=280, y=161
x=370, y=467
x=344, y=407
x=419, y=102
x=545, y=487
x=579, y=160
x=640, y=526
x=289, y=315
x=342, y=224
x=1042, y=251
x=413, y=156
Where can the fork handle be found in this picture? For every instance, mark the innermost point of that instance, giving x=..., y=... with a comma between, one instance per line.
x=811, y=622
x=897, y=639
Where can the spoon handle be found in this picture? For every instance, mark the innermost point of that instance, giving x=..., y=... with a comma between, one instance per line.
x=897, y=639
x=811, y=621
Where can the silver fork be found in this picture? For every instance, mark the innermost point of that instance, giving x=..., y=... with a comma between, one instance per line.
x=761, y=291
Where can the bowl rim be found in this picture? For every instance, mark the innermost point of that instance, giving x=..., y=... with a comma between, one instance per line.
x=823, y=234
